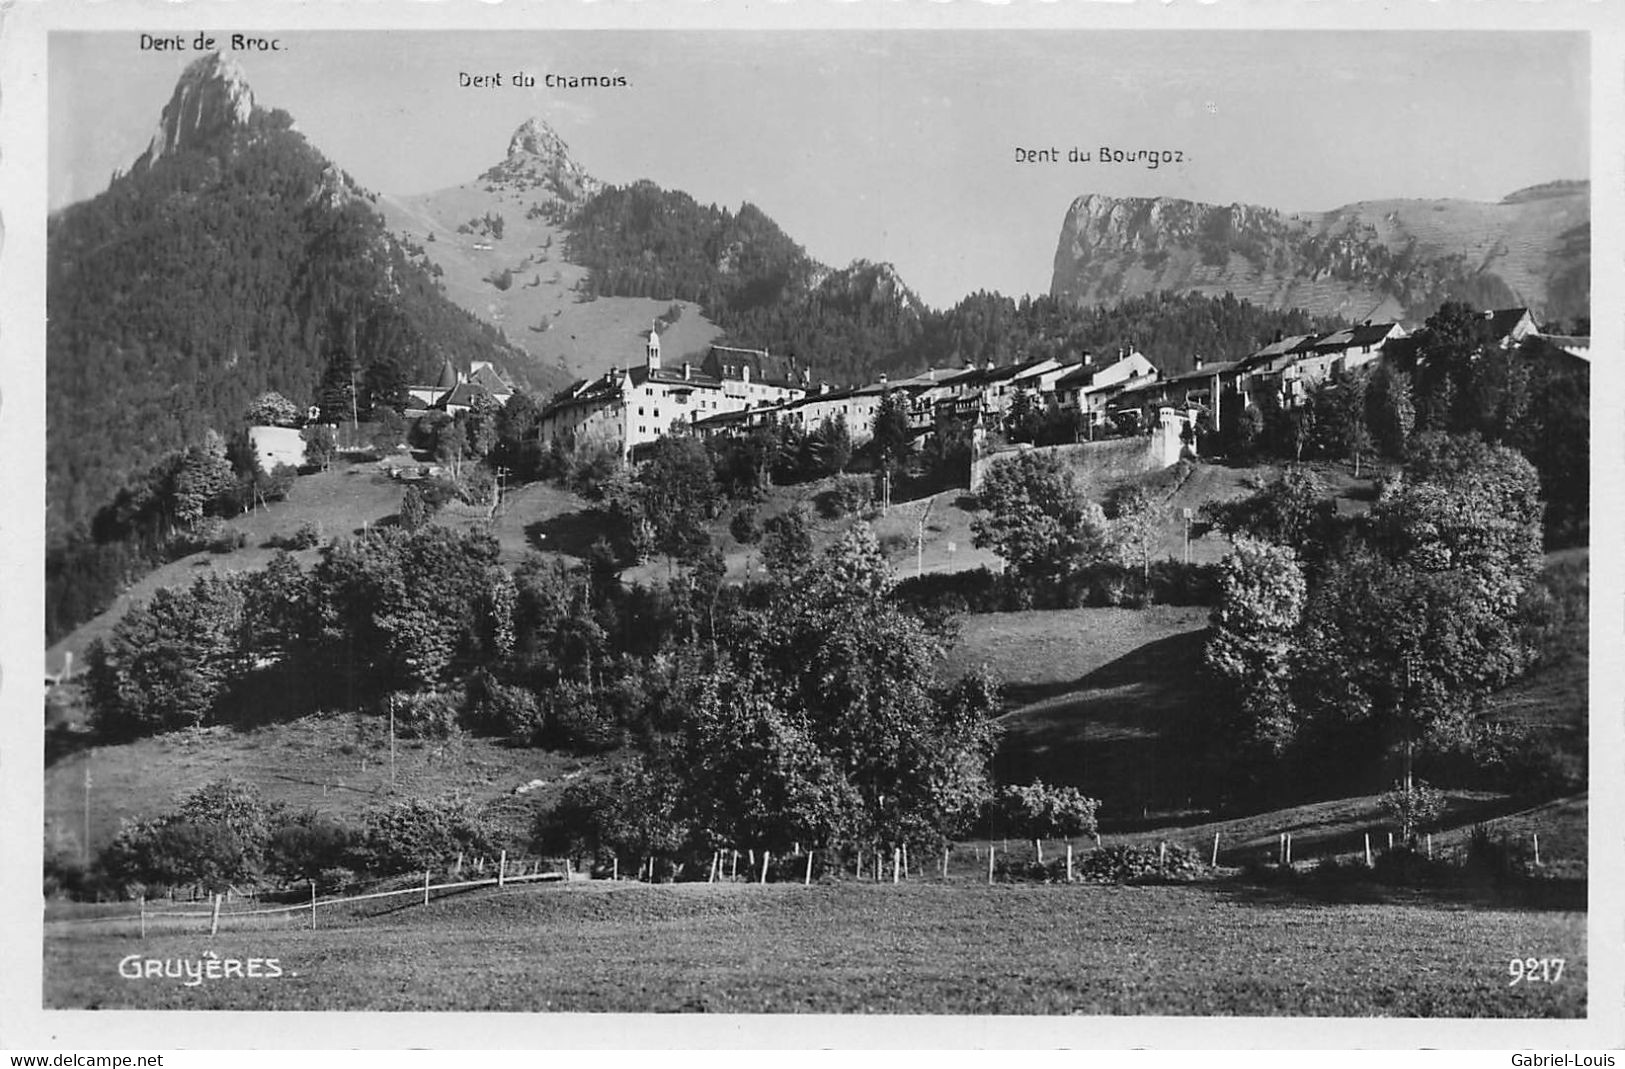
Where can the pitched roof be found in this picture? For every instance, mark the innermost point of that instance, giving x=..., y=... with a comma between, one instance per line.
x=1203, y=372
x=1502, y=320
x=465, y=394
x=726, y=362
x=665, y=376
x=489, y=377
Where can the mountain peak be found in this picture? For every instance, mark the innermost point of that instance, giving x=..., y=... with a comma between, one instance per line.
x=538, y=159
x=212, y=95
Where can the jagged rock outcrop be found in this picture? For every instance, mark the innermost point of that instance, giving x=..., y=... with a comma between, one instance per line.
x=538, y=159
x=211, y=96
x=1386, y=259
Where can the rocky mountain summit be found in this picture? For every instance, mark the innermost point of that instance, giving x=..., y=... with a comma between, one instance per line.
x=539, y=160
x=1386, y=259
x=211, y=96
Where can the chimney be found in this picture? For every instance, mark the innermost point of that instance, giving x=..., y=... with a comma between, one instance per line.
x=1199, y=361
x=989, y=366
x=744, y=372
x=688, y=370
x=1088, y=358
x=882, y=380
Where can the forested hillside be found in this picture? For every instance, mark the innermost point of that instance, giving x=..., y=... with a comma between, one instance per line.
x=853, y=324
x=227, y=268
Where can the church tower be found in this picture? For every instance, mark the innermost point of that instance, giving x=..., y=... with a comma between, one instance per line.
x=652, y=354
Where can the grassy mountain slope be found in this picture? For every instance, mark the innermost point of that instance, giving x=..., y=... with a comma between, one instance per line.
x=544, y=308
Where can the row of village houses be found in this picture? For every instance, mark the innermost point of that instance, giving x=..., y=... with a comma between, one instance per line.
x=733, y=390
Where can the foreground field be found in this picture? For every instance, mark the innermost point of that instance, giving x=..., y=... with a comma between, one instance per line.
x=1217, y=949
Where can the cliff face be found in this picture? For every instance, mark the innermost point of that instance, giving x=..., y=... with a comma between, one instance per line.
x=1385, y=259
x=210, y=97
x=539, y=160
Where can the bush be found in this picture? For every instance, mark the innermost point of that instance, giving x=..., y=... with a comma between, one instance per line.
x=1515, y=758
x=849, y=495
x=310, y=846
x=1414, y=808
x=577, y=720
x=495, y=708
x=1141, y=864
x=304, y=536
x=1039, y=811
x=170, y=851
x=424, y=833
x=425, y=715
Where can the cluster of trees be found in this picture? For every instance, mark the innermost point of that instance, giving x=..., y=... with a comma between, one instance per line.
x=1340, y=644
x=1037, y=518
x=804, y=708
x=817, y=720
x=225, y=834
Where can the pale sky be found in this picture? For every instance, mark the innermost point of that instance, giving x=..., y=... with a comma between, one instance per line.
x=898, y=145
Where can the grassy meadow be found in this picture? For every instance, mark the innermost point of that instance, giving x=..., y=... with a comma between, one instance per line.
x=922, y=947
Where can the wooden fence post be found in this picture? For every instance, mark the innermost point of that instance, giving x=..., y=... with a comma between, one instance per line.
x=1390, y=840
x=945, y=862
x=807, y=880
x=1069, y=861
x=990, y=862
x=1537, y=849
x=860, y=863
x=313, y=905
x=1367, y=849
x=502, y=869
x=214, y=921
x=425, y=887
x=905, y=861
x=1289, y=848
x=143, y=916
x=459, y=871
x=1215, y=860
x=1430, y=846
x=1162, y=854
x=765, y=856
x=896, y=860
x=733, y=871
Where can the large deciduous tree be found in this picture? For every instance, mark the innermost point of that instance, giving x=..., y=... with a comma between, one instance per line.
x=1409, y=631
x=1037, y=519
x=167, y=662
x=822, y=721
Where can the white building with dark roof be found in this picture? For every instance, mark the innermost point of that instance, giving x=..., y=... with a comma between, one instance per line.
x=631, y=407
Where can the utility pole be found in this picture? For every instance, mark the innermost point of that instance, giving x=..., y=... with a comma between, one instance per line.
x=84, y=845
x=919, y=540
x=392, y=742
x=1187, y=534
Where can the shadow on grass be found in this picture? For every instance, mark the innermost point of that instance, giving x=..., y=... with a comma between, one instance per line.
x=572, y=533
x=1170, y=663
x=1128, y=735
x=1461, y=888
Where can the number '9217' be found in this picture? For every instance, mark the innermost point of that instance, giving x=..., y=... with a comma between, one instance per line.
x=1534, y=971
